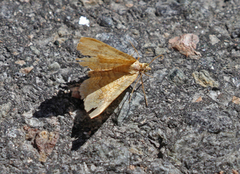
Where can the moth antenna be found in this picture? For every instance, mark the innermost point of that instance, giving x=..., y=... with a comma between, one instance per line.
x=135, y=50
x=134, y=87
x=156, y=58
x=144, y=91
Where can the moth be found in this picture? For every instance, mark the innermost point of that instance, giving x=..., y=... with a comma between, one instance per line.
x=112, y=71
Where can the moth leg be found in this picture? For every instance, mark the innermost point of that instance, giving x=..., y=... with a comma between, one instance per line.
x=148, y=75
x=134, y=87
x=144, y=91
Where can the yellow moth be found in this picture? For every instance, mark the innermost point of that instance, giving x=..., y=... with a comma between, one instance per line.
x=112, y=71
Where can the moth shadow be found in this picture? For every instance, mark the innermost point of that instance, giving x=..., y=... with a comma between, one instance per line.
x=67, y=101
x=60, y=104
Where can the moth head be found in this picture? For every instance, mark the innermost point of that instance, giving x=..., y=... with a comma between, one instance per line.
x=146, y=67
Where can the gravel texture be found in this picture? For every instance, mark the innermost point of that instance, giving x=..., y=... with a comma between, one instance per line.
x=191, y=124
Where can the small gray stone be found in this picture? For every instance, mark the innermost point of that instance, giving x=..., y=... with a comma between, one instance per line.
x=150, y=11
x=4, y=109
x=177, y=76
x=12, y=132
x=204, y=79
x=106, y=21
x=221, y=30
x=220, y=97
x=34, y=122
x=119, y=8
x=135, y=31
x=54, y=67
x=120, y=26
x=167, y=9
x=213, y=39
x=235, y=53
x=59, y=78
x=184, y=2
x=35, y=50
x=160, y=51
x=63, y=31
x=27, y=114
x=158, y=166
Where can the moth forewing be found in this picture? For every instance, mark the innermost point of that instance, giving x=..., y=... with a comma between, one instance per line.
x=112, y=72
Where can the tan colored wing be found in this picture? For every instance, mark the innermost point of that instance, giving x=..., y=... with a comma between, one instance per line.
x=103, y=56
x=102, y=88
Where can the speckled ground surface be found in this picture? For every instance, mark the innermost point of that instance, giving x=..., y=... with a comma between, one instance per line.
x=187, y=127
